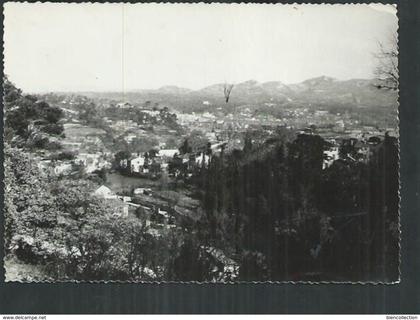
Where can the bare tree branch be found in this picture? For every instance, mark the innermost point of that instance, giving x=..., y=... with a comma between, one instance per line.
x=227, y=89
x=386, y=71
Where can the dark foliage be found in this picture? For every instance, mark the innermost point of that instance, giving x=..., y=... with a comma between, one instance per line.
x=284, y=218
x=29, y=121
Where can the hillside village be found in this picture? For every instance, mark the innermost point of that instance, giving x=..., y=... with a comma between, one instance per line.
x=145, y=158
x=88, y=133
x=152, y=141
x=347, y=140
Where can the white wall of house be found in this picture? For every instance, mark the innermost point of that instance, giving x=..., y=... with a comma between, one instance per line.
x=330, y=156
x=199, y=159
x=137, y=164
x=168, y=153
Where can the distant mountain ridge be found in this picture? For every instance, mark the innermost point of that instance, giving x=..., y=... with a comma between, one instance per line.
x=362, y=92
x=321, y=90
x=271, y=86
x=320, y=85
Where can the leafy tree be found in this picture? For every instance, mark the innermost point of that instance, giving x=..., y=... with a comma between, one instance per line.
x=122, y=156
x=189, y=264
x=185, y=147
x=143, y=144
x=253, y=267
x=53, y=128
x=88, y=113
x=31, y=214
x=274, y=203
x=26, y=117
x=195, y=142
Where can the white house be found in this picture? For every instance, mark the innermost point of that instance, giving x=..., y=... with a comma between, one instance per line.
x=124, y=105
x=142, y=190
x=163, y=213
x=105, y=193
x=167, y=153
x=137, y=164
x=202, y=157
x=330, y=156
x=63, y=168
x=124, y=198
x=130, y=137
x=152, y=113
x=92, y=161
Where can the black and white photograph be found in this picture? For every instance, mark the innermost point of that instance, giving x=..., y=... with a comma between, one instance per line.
x=201, y=143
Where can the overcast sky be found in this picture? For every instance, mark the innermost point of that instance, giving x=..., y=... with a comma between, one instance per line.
x=98, y=47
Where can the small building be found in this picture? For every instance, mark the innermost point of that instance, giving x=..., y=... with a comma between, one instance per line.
x=130, y=137
x=137, y=164
x=92, y=161
x=123, y=163
x=125, y=198
x=167, y=153
x=162, y=145
x=363, y=151
x=142, y=191
x=105, y=193
x=124, y=105
x=63, y=168
x=330, y=155
x=162, y=219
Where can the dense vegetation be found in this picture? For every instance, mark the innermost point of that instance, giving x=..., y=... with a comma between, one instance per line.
x=30, y=123
x=59, y=225
x=274, y=209
x=56, y=223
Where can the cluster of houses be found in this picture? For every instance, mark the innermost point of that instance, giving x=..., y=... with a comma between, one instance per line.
x=90, y=162
x=121, y=126
x=55, y=167
x=93, y=161
x=152, y=215
x=362, y=149
x=156, y=162
x=223, y=268
x=148, y=162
